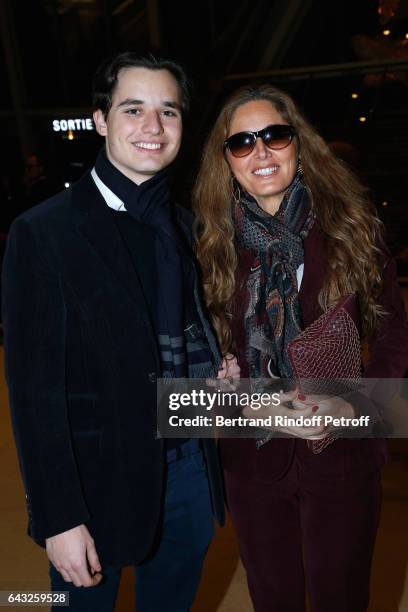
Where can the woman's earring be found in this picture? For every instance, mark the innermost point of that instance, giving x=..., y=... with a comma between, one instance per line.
x=236, y=192
x=299, y=169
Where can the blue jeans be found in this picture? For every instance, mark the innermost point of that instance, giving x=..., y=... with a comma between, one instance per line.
x=168, y=581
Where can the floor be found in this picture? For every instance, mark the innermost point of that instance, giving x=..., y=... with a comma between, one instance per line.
x=223, y=587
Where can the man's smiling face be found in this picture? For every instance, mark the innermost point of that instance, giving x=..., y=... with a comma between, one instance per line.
x=143, y=127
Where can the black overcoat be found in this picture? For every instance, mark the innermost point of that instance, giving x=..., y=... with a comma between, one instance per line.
x=81, y=365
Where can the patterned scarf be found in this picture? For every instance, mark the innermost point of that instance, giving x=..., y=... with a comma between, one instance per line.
x=273, y=317
x=183, y=345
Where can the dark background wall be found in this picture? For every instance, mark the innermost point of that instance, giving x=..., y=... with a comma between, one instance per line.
x=319, y=51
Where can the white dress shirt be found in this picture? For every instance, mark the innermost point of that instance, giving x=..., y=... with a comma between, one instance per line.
x=110, y=198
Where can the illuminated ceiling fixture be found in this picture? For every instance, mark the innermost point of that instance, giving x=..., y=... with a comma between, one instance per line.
x=362, y=119
x=354, y=95
x=71, y=135
x=66, y=185
x=385, y=203
x=387, y=9
x=386, y=32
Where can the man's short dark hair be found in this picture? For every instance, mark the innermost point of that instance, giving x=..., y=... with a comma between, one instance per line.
x=106, y=77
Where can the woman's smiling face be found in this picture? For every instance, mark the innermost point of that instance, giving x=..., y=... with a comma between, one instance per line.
x=265, y=173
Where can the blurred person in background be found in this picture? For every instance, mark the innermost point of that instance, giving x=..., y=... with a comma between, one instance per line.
x=37, y=185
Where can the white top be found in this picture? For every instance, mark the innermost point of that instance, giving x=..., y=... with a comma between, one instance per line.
x=110, y=198
x=299, y=275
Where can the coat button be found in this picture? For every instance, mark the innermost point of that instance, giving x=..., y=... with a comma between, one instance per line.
x=152, y=376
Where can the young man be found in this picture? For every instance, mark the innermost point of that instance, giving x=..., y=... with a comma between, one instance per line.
x=100, y=299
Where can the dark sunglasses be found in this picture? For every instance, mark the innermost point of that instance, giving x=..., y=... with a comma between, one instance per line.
x=273, y=136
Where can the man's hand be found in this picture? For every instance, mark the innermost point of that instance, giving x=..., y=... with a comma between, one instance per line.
x=229, y=370
x=71, y=552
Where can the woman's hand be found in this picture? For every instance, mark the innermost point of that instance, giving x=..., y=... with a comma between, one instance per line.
x=325, y=405
x=314, y=431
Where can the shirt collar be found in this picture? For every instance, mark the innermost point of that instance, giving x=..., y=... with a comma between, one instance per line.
x=110, y=198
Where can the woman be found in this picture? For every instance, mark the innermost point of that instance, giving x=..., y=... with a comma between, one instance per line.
x=285, y=231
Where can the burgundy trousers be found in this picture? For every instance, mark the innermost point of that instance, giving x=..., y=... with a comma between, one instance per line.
x=314, y=526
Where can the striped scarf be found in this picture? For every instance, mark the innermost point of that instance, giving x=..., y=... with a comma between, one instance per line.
x=183, y=344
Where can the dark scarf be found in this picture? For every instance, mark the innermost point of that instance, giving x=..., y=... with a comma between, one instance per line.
x=273, y=317
x=183, y=349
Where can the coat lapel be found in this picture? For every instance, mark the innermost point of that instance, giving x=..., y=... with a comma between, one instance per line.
x=95, y=224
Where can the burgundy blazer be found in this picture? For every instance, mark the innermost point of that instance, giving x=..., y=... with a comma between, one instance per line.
x=388, y=359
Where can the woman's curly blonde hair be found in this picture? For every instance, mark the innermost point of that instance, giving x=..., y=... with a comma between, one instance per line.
x=343, y=209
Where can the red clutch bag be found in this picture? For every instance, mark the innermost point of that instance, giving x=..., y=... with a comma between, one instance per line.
x=329, y=348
